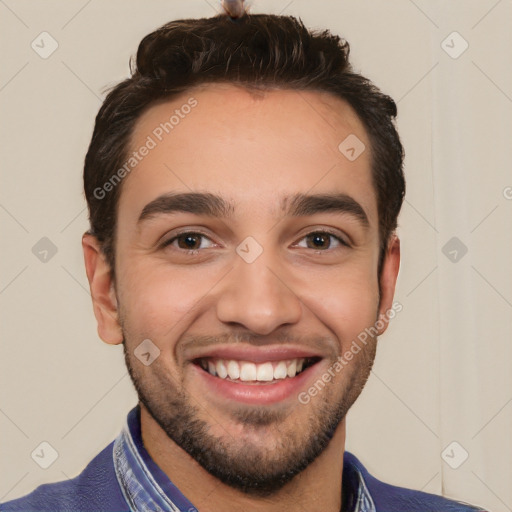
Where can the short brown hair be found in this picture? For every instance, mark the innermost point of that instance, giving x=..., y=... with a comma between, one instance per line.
x=254, y=51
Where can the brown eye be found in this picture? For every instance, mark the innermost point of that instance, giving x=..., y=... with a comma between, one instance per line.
x=322, y=240
x=188, y=241
x=319, y=241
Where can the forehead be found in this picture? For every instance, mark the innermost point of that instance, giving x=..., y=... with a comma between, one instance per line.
x=250, y=148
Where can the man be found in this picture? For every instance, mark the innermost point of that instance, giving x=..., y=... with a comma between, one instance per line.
x=243, y=190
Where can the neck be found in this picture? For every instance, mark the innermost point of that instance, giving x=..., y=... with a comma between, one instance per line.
x=318, y=487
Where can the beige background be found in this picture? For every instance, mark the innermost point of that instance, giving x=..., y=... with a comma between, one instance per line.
x=443, y=370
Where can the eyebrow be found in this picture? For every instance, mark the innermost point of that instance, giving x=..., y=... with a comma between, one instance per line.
x=211, y=205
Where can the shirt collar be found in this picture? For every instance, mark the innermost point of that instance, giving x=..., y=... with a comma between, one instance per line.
x=146, y=487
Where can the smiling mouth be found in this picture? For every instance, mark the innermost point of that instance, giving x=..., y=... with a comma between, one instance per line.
x=248, y=372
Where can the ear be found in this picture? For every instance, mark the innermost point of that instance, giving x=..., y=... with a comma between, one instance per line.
x=102, y=288
x=387, y=281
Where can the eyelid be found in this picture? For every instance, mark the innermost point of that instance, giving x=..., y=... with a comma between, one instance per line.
x=168, y=241
x=327, y=231
x=334, y=233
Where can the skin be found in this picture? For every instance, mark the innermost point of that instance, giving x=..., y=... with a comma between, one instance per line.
x=252, y=150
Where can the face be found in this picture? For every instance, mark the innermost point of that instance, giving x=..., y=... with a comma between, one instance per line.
x=252, y=288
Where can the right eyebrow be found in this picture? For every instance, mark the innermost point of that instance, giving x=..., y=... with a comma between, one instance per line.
x=191, y=202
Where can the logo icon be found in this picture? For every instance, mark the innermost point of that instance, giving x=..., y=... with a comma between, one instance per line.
x=352, y=147
x=146, y=352
x=44, y=455
x=44, y=250
x=454, y=455
x=44, y=45
x=454, y=249
x=454, y=45
x=249, y=249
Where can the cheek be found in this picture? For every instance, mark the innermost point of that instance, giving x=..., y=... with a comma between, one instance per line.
x=347, y=303
x=156, y=301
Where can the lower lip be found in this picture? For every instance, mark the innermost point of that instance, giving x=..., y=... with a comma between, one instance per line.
x=257, y=393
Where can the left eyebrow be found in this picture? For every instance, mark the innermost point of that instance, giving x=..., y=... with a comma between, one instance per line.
x=211, y=205
x=303, y=204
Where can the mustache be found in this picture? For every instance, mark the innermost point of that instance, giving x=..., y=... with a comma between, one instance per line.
x=327, y=345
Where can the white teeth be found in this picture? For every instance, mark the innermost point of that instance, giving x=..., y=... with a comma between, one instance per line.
x=280, y=371
x=247, y=371
x=233, y=370
x=292, y=368
x=265, y=372
x=221, y=369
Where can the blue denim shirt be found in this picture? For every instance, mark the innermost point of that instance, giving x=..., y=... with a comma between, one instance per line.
x=123, y=478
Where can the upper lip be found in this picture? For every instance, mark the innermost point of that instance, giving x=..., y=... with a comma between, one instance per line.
x=255, y=354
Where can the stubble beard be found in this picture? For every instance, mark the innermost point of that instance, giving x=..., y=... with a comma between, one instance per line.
x=243, y=466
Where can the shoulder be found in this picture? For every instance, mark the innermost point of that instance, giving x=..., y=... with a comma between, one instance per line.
x=96, y=488
x=390, y=498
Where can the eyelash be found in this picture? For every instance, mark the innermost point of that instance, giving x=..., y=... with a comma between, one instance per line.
x=167, y=243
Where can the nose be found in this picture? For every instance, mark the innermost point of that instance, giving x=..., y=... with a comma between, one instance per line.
x=257, y=296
